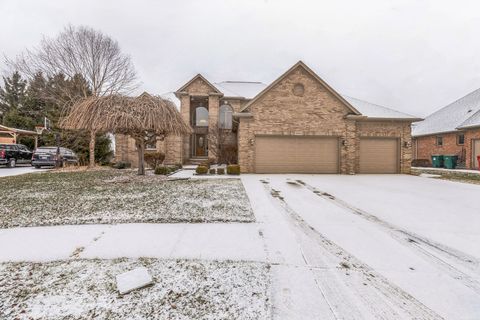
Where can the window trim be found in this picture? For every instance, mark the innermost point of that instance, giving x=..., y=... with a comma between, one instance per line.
x=198, y=109
x=228, y=110
x=458, y=139
x=436, y=141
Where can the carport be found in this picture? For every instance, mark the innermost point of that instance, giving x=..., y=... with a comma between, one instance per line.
x=11, y=135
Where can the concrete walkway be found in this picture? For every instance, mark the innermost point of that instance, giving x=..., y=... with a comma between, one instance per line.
x=213, y=241
x=6, y=172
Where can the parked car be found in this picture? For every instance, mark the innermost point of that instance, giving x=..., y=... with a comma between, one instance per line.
x=47, y=157
x=13, y=154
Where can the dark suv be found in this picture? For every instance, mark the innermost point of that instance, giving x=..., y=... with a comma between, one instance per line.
x=47, y=157
x=13, y=154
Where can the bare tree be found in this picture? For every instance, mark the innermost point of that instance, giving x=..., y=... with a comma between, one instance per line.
x=80, y=51
x=222, y=144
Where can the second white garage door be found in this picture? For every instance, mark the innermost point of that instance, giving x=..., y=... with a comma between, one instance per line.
x=379, y=155
x=296, y=154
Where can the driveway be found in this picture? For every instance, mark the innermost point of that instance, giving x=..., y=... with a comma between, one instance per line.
x=370, y=246
x=5, y=172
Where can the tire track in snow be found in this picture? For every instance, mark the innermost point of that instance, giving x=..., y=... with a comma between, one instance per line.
x=385, y=301
x=430, y=250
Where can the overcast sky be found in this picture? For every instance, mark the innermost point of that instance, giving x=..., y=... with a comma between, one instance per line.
x=412, y=55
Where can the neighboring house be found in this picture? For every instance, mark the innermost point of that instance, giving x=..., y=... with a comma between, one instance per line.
x=297, y=124
x=453, y=130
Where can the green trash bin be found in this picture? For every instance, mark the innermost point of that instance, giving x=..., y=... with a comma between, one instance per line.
x=450, y=161
x=437, y=161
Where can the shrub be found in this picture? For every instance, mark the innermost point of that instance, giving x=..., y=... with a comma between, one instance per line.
x=220, y=171
x=201, y=170
x=205, y=164
x=420, y=163
x=211, y=171
x=233, y=169
x=163, y=170
x=178, y=166
x=153, y=159
x=122, y=165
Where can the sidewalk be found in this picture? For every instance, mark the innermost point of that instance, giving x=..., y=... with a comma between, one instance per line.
x=211, y=241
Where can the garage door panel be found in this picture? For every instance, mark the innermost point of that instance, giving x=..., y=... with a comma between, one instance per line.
x=379, y=155
x=292, y=154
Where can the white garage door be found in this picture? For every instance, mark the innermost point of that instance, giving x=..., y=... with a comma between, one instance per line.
x=296, y=154
x=379, y=155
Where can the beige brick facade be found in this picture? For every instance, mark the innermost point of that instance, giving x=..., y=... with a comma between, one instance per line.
x=280, y=110
x=317, y=113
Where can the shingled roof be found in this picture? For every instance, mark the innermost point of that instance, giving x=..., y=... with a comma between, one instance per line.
x=461, y=114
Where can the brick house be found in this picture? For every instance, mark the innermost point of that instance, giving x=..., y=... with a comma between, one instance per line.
x=297, y=124
x=452, y=130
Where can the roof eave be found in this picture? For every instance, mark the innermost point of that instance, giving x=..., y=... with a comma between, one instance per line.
x=434, y=133
x=393, y=119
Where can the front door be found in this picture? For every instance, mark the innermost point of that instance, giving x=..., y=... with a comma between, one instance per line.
x=200, y=147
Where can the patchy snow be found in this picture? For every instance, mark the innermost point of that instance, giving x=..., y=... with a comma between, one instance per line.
x=338, y=247
x=81, y=289
x=115, y=196
x=463, y=112
x=372, y=110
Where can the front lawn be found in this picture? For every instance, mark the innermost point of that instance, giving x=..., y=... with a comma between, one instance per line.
x=118, y=196
x=86, y=289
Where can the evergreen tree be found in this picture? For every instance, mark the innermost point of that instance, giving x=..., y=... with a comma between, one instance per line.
x=12, y=95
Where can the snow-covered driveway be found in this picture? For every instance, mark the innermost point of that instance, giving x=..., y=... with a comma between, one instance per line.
x=367, y=247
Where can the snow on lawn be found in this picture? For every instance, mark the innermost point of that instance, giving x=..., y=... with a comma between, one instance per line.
x=182, y=289
x=119, y=196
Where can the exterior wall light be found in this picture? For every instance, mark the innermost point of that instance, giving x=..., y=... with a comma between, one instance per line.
x=251, y=142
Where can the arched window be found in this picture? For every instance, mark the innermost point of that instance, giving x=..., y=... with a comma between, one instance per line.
x=225, y=117
x=201, y=117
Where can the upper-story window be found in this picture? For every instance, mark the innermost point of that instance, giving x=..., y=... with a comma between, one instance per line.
x=201, y=116
x=225, y=116
x=461, y=139
x=439, y=141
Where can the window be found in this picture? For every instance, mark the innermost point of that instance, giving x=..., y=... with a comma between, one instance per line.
x=201, y=117
x=225, y=117
x=151, y=146
x=440, y=141
x=461, y=139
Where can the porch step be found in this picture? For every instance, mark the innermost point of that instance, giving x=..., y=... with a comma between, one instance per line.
x=196, y=161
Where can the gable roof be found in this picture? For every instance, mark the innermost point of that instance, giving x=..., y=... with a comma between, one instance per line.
x=310, y=71
x=198, y=76
x=240, y=89
x=461, y=114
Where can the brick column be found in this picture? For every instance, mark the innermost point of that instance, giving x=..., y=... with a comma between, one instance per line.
x=350, y=148
x=185, y=140
x=406, y=151
x=213, y=106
